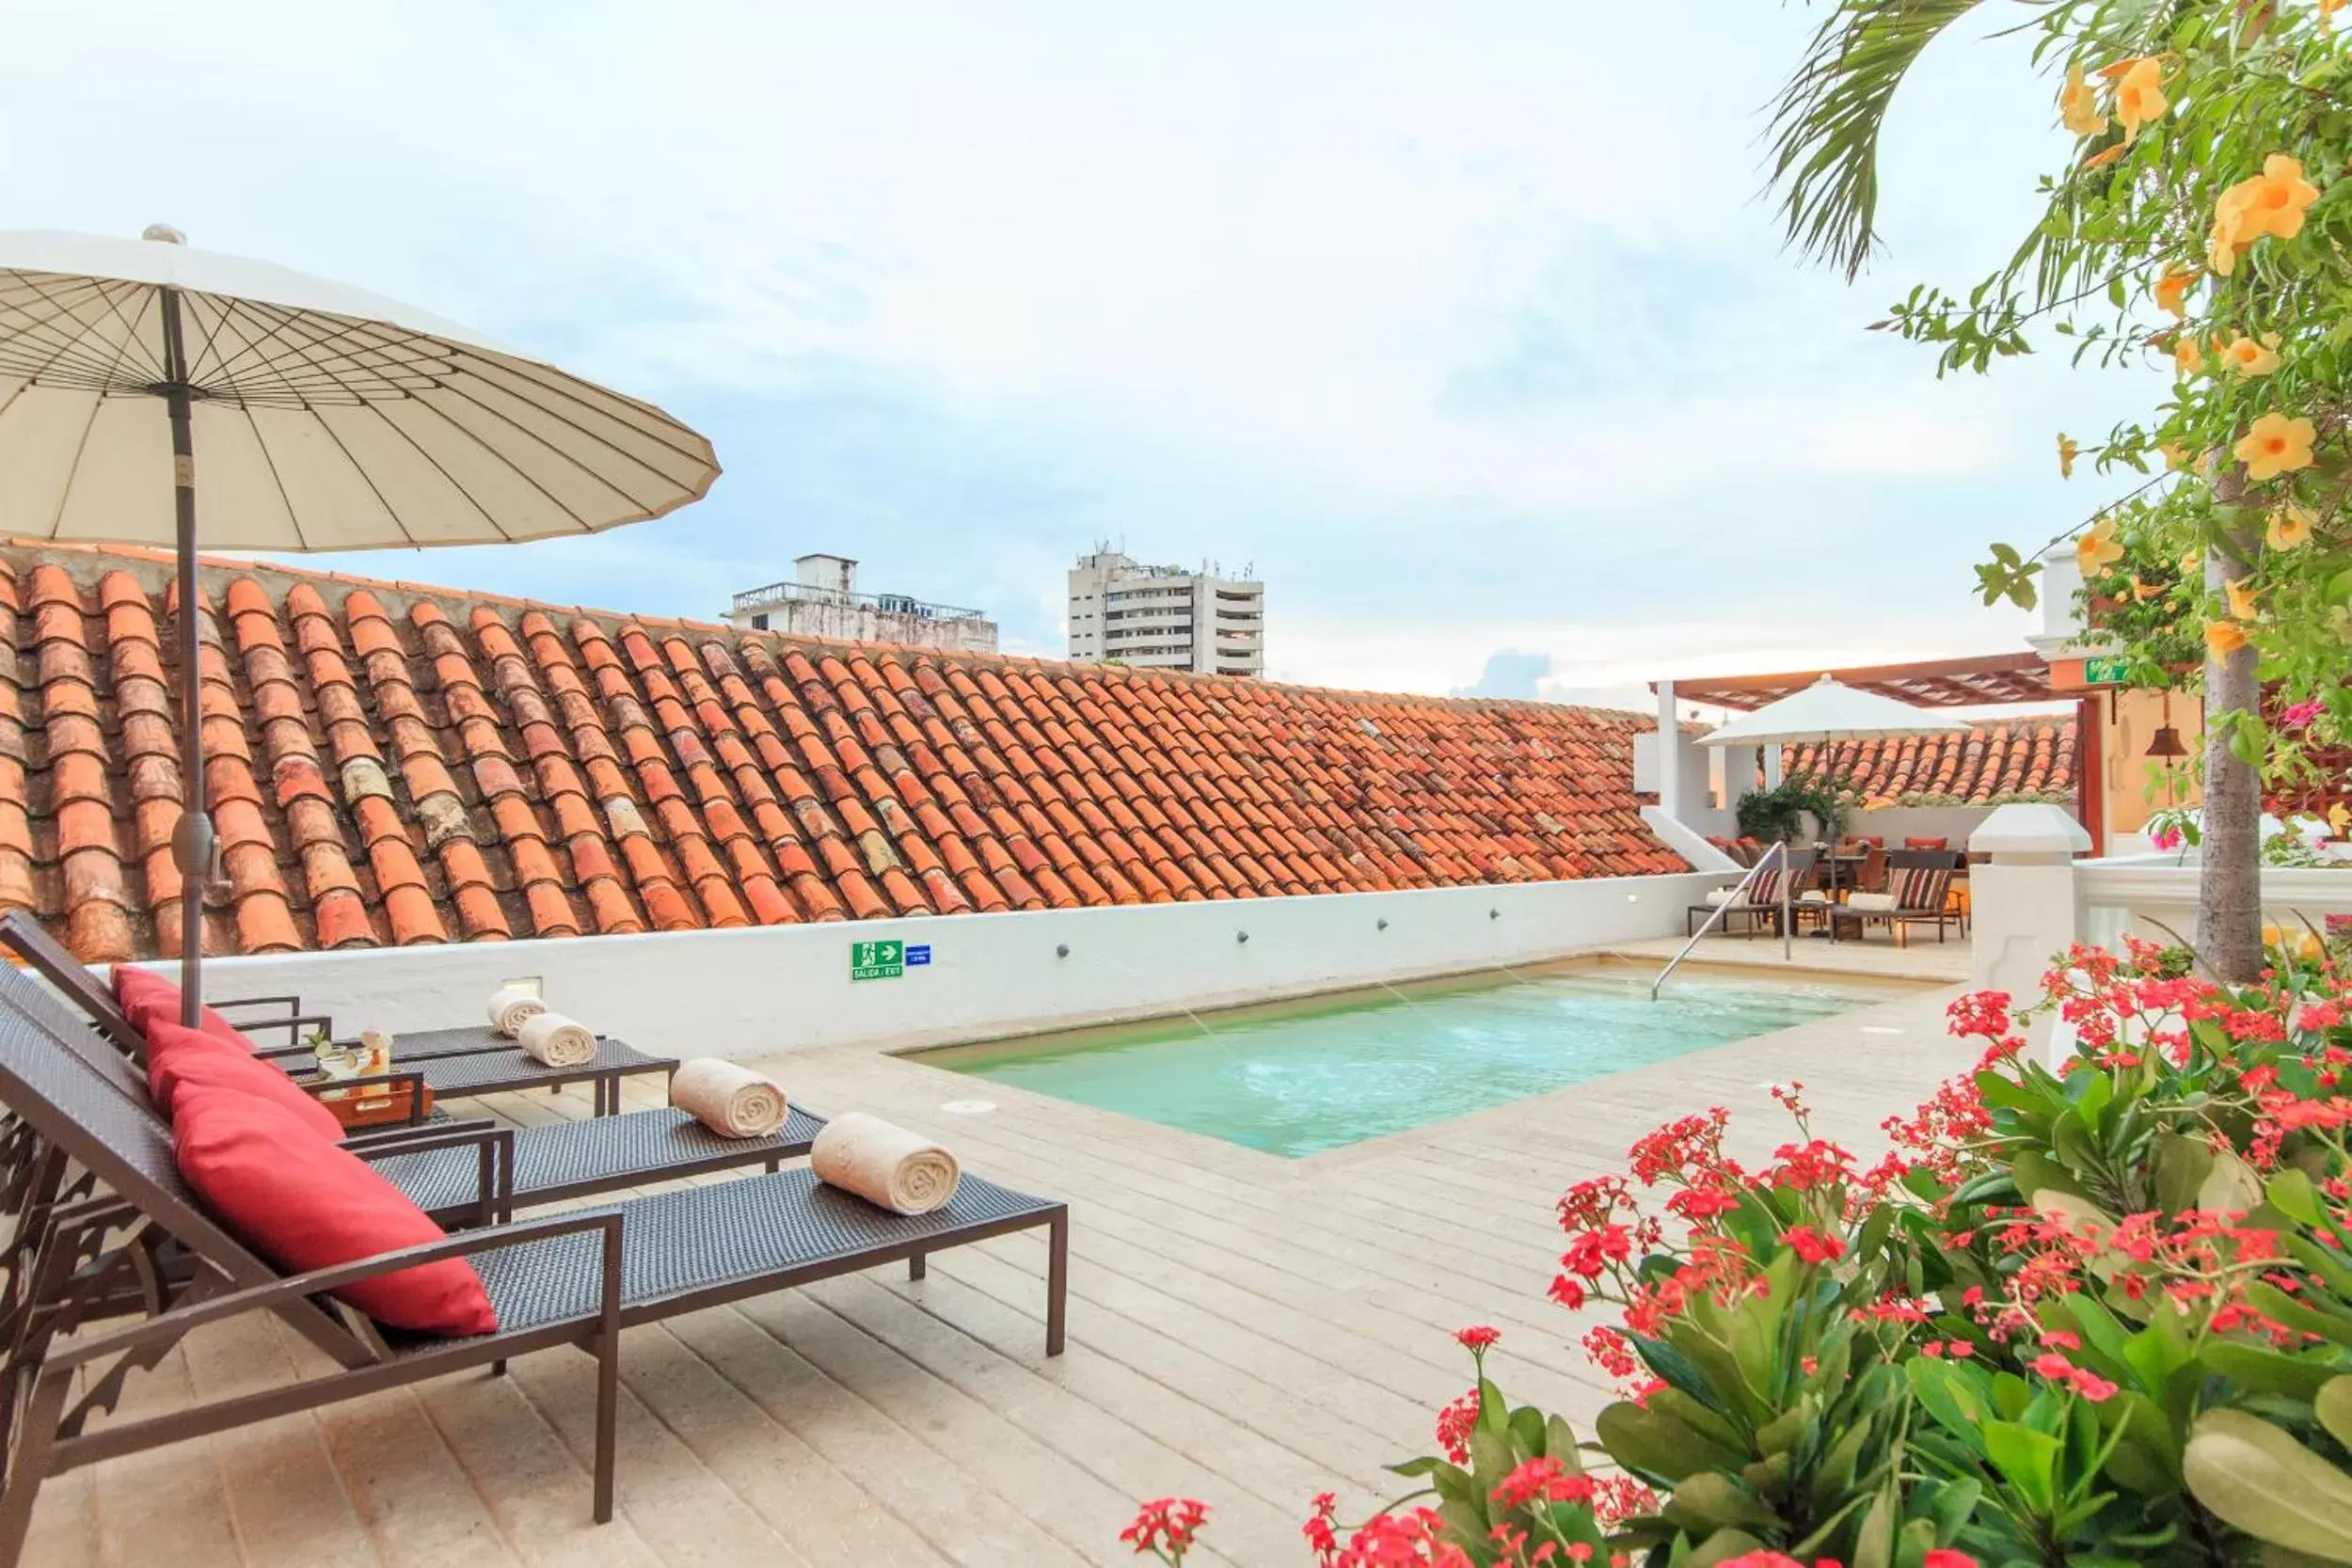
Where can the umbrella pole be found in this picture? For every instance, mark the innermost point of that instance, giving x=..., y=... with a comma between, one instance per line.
x=192, y=836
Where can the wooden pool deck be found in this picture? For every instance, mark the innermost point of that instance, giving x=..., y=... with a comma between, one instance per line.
x=1245, y=1329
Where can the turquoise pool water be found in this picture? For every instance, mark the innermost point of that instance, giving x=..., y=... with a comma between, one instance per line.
x=1296, y=1078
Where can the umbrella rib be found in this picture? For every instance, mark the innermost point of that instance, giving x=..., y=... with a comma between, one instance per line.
x=455, y=484
x=561, y=387
x=67, y=350
x=81, y=446
x=457, y=390
x=368, y=480
x=269, y=460
x=350, y=329
x=557, y=501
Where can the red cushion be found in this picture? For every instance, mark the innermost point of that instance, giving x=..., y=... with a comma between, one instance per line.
x=143, y=994
x=1927, y=844
x=306, y=1204
x=180, y=1058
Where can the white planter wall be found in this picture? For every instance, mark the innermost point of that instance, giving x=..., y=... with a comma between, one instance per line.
x=779, y=988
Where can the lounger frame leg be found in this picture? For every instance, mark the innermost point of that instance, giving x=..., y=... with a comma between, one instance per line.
x=1057, y=1281
x=609, y=1380
x=916, y=1266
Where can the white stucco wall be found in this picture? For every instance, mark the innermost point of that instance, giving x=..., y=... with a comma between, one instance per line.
x=781, y=987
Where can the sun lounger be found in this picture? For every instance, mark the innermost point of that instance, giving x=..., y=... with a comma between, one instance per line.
x=473, y=1072
x=98, y=1199
x=481, y=1171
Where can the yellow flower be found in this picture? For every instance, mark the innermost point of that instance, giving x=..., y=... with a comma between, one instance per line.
x=2230, y=235
x=2140, y=96
x=2101, y=160
x=2191, y=567
x=2175, y=456
x=2290, y=528
x=2339, y=818
x=2067, y=450
x=2143, y=592
x=2274, y=445
x=2224, y=638
x=2078, y=105
x=2246, y=356
x=2188, y=357
x=2297, y=942
x=2172, y=290
x=2241, y=599
x=2271, y=202
x=2097, y=550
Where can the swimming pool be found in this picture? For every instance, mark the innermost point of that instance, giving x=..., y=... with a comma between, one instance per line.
x=1297, y=1077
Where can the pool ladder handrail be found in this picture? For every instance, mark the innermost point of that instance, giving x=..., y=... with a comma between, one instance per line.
x=1779, y=848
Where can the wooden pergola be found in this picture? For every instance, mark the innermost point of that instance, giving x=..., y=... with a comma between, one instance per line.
x=2017, y=677
x=1986, y=680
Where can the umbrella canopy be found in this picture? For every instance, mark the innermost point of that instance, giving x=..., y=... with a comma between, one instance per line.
x=325, y=418
x=1827, y=711
x=321, y=418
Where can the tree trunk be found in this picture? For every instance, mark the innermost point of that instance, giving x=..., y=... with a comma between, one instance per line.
x=2229, y=885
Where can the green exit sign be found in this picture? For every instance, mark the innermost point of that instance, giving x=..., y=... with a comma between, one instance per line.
x=2106, y=670
x=877, y=960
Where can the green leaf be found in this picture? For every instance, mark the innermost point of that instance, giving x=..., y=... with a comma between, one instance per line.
x=2290, y=1192
x=1720, y=1546
x=2182, y=1165
x=2230, y=1186
x=1874, y=1539
x=2026, y=1459
x=2255, y=1477
x=2265, y=1371
x=1654, y=1445
x=1710, y=1500
x=2333, y=1407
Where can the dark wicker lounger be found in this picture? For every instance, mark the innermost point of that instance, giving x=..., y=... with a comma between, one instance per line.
x=97, y=1198
x=258, y=1015
x=480, y=1171
x=451, y=1076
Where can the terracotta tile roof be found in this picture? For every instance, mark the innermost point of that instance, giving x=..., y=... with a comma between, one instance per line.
x=1996, y=757
x=395, y=764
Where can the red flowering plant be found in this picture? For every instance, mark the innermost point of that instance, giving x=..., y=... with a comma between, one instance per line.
x=2091, y=1314
x=1508, y=1489
x=2144, y=1324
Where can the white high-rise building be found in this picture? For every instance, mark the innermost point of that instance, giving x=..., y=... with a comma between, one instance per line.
x=1164, y=617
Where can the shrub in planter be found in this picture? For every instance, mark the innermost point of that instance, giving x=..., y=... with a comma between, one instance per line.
x=2086, y=1317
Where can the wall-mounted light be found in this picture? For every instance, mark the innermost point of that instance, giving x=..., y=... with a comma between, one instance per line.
x=1241, y=936
x=1061, y=950
x=1494, y=914
x=1381, y=924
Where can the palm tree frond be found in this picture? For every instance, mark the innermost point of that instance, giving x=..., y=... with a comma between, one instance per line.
x=1825, y=125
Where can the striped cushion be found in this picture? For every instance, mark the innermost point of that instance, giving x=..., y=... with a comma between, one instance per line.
x=1922, y=888
x=1765, y=889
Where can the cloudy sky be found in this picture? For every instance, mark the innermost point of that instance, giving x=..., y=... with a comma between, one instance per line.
x=1465, y=324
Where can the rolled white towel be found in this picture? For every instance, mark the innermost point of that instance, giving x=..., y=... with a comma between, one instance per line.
x=886, y=1165
x=554, y=1041
x=1870, y=903
x=509, y=1006
x=728, y=1097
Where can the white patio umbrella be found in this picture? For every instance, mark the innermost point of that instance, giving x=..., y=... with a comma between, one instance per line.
x=325, y=419
x=1826, y=711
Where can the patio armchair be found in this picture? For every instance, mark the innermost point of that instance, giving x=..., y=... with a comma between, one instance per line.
x=98, y=1201
x=1918, y=893
x=474, y=1070
x=1759, y=904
